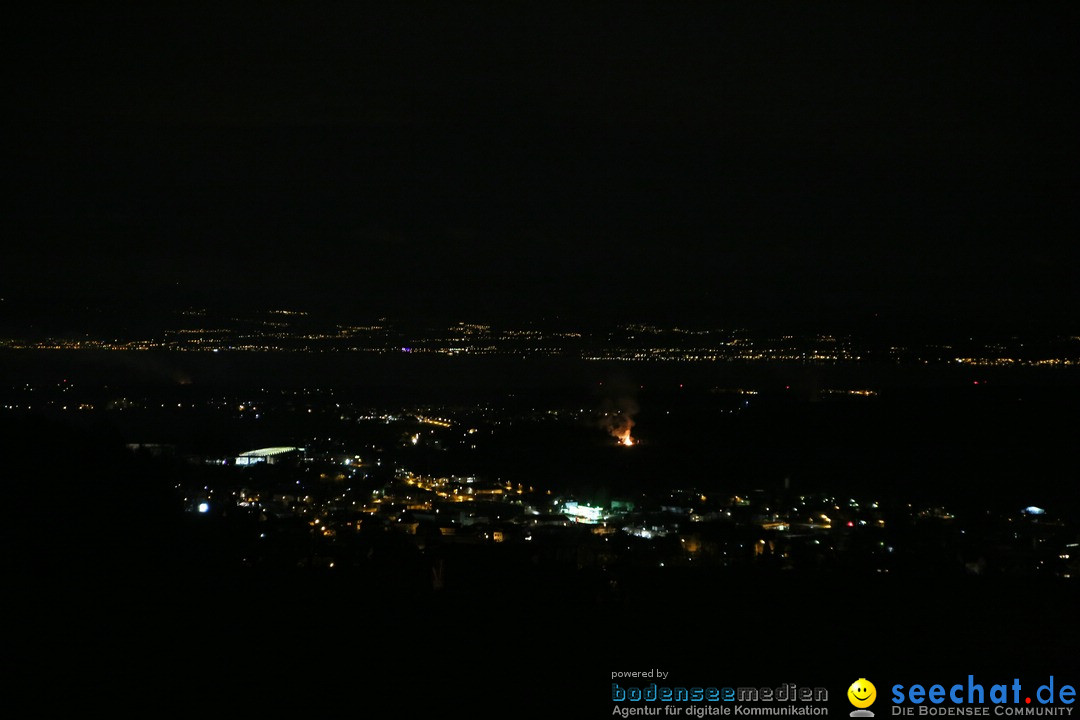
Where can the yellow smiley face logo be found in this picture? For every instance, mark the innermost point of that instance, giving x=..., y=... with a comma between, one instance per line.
x=862, y=693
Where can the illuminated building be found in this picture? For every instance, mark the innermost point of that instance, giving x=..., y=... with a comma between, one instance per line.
x=269, y=455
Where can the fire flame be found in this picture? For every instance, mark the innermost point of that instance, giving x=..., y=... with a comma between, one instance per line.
x=620, y=421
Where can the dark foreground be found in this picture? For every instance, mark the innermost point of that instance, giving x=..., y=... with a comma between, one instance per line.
x=258, y=642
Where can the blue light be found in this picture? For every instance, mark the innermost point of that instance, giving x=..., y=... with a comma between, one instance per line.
x=204, y=507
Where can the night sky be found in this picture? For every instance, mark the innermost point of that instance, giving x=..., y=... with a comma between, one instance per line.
x=723, y=163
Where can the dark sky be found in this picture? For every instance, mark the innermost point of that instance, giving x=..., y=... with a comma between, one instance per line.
x=716, y=162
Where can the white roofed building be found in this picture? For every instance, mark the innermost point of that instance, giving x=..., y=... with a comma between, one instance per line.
x=269, y=455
